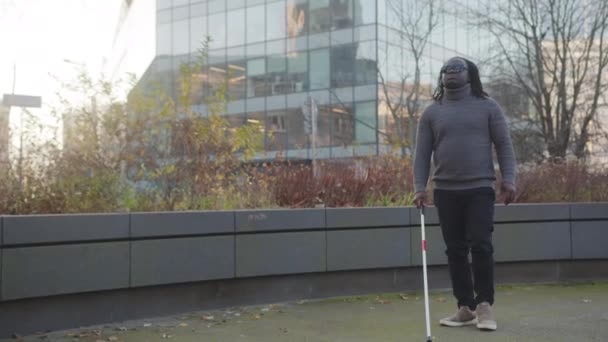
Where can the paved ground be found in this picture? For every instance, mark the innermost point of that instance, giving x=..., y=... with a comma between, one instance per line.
x=525, y=313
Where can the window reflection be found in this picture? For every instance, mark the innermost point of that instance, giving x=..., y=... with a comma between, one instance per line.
x=255, y=24
x=198, y=34
x=276, y=128
x=319, y=16
x=364, y=12
x=236, y=33
x=297, y=67
x=256, y=71
x=275, y=25
x=276, y=76
x=297, y=17
x=365, y=63
x=236, y=79
x=296, y=138
x=319, y=69
x=342, y=65
x=342, y=124
x=217, y=30
x=365, y=124
x=341, y=14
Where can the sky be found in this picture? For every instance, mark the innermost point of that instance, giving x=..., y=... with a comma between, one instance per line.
x=42, y=38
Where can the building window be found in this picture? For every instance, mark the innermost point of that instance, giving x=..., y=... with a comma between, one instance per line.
x=256, y=71
x=365, y=122
x=297, y=67
x=343, y=65
x=275, y=26
x=236, y=34
x=341, y=14
x=236, y=80
x=319, y=69
x=276, y=75
x=320, y=18
x=365, y=12
x=217, y=30
x=276, y=130
x=365, y=63
x=256, y=23
x=297, y=18
x=342, y=130
x=198, y=34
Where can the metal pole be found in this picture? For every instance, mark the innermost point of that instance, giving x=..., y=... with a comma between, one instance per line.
x=426, y=284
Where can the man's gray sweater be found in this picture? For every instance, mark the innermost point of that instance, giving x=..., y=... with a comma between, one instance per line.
x=459, y=132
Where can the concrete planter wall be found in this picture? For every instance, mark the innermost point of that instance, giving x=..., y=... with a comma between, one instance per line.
x=62, y=254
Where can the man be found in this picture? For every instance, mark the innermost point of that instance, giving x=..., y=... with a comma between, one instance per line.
x=458, y=129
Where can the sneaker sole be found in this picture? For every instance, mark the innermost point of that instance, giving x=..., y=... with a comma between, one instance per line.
x=486, y=326
x=457, y=324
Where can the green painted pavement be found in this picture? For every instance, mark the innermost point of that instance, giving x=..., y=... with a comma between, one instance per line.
x=525, y=313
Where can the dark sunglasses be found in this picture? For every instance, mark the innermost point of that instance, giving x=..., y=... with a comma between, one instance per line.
x=453, y=69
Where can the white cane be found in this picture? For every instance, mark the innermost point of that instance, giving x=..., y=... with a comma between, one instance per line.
x=426, y=285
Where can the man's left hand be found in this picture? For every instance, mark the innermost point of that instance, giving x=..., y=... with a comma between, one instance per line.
x=507, y=190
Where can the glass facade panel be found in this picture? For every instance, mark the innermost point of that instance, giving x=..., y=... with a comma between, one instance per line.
x=365, y=125
x=365, y=11
x=342, y=65
x=256, y=23
x=217, y=6
x=217, y=30
x=320, y=16
x=296, y=137
x=297, y=68
x=163, y=39
x=236, y=33
x=256, y=74
x=319, y=69
x=276, y=130
x=341, y=14
x=276, y=23
x=162, y=4
x=324, y=125
x=297, y=17
x=276, y=76
x=180, y=13
x=275, y=47
x=343, y=129
x=198, y=34
x=198, y=9
x=237, y=79
x=232, y=4
x=365, y=63
x=256, y=118
x=177, y=3
x=163, y=16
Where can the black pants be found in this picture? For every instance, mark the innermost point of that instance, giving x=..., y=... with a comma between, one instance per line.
x=466, y=218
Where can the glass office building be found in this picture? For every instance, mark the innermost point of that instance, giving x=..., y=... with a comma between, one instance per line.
x=275, y=54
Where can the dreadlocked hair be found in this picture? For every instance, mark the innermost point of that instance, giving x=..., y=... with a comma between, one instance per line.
x=476, y=87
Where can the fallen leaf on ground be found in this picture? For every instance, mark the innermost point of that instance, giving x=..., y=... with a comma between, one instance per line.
x=256, y=317
x=183, y=324
x=404, y=297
